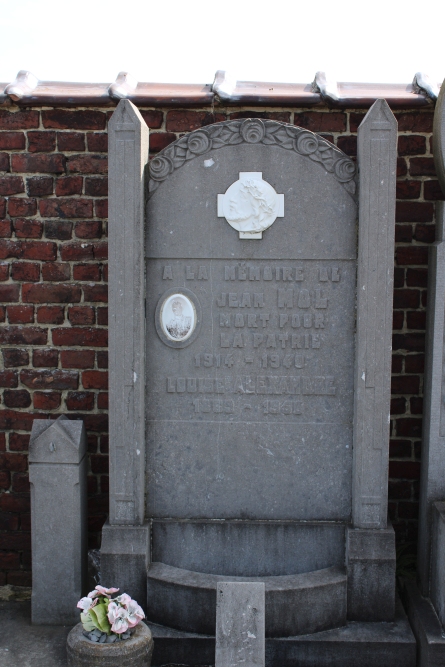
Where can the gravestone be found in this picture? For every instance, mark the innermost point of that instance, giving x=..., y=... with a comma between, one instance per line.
x=265, y=354
x=426, y=601
x=240, y=624
x=58, y=476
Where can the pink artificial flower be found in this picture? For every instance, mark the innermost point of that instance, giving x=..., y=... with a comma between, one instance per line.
x=118, y=618
x=135, y=614
x=106, y=592
x=124, y=600
x=93, y=594
x=86, y=604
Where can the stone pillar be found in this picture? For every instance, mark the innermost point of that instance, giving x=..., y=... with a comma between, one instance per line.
x=124, y=559
x=371, y=553
x=57, y=472
x=438, y=561
x=432, y=479
x=240, y=624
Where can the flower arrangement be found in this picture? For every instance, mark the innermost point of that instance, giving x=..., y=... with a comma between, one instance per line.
x=107, y=620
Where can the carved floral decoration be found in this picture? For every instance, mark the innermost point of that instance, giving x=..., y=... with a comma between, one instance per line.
x=252, y=131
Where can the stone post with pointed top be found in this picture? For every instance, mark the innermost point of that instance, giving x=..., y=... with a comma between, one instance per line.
x=125, y=537
x=58, y=473
x=370, y=542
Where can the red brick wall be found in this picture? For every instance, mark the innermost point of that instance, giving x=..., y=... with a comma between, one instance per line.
x=53, y=292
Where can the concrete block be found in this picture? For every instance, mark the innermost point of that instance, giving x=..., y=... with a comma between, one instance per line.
x=240, y=624
x=125, y=555
x=426, y=626
x=57, y=473
x=371, y=568
x=438, y=561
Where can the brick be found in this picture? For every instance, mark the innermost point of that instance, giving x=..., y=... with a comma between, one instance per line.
x=415, y=122
x=20, y=578
x=64, y=119
x=105, y=272
x=77, y=358
x=39, y=186
x=404, y=469
x=97, y=187
x=99, y=464
x=5, y=229
x=88, y=164
x=411, y=145
x=152, y=117
x=16, y=399
x=11, y=185
x=415, y=363
x=98, y=141
x=2, y=313
x=20, y=484
x=70, y=141
x=5, y=480
x=20, y=314
x=160, y=140
x=69, y=185
x=102, y=316
x=101, y=208
x=41, y=142
x=425, y=233
x=402, y=169
x=416, y=405
x=398, y=406
x=405, y=384
x=80, y=400
x=406, y=298
x=19, y=442
x=16, y=335
x=185, y=121
x=17, y=540
x=412, y=342
x=432, y=190
x=51, y=379
x=2, y=442
x=12, y=141
x=48, y=358
x=81, y=315
x=88, y=230
x=318, y=122
x=56, y=229
x=104, y=444
x=280, y=116
x=46, y=400
x=13, y=462
x=42, y=293
x=100, y=250
x=9, y=419
x=102, y=359
x=37, y=162
x=56, y=271
x=82, y=336
x=20, y=120
x=9, y=293
x=102, y=401
x=76, y=251
x=23, y=228
x=2, y=207
x=50, y=315
x=15, y=356
x=8, y=521
x=8, y=379
x=403, y=233
x=422, y=166
x=28, y=250
x=408, y=189
x=95, y=380
x=66, y=208
x=397, y=319
x=86, y=272
x=95, y=293
x=417, y=277
x=416, y=320
x=4, y=271
x=348, y=145
x=412, y=255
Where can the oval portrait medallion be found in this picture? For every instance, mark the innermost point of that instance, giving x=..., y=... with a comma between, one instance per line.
x=177, y=317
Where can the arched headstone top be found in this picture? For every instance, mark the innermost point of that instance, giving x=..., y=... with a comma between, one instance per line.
x=252, y=131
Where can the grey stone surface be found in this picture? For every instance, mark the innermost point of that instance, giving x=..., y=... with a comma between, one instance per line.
x=128, y=154
x=377, y=143
x=432, y=479
x=240, y=624
x=57, y=473
x=371, y=568
x=125, y=554
x=354, y=645
x=438, y=561
x=426, y=626
x=295, y=604
x=248, y=548
x=439, y=138
x=133, y=652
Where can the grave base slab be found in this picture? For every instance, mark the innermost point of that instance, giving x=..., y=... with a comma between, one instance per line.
x=364, y=644
x=426, y=626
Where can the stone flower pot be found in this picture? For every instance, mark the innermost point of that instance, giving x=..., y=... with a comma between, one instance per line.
x=133, y=652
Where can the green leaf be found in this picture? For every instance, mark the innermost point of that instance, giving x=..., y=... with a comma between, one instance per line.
x=87, y=621
x=99, y=616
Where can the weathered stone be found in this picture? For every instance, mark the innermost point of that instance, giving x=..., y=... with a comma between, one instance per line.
x=438, y=561
x=57, y=473
x=133, y=652
x=240, y=624
x=426, y=626
x=439, y=138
